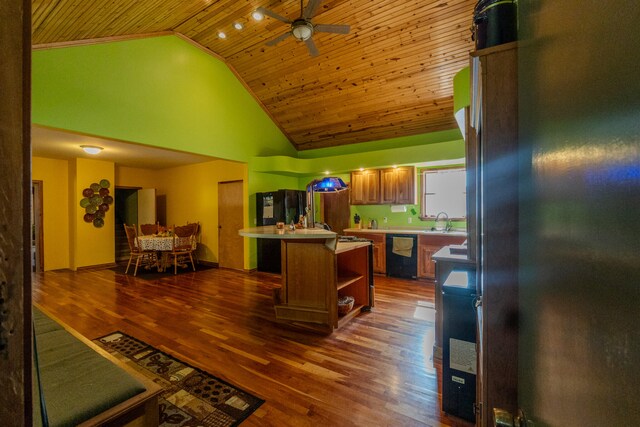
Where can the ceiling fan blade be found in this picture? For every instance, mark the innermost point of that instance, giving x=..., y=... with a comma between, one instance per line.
x=278, y=39
x=311, y=8
x=273, y=15
x=327, y=28
x=313, y=50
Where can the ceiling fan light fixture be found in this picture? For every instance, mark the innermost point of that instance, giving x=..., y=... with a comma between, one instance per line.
x=301, y=29
x=91, y=149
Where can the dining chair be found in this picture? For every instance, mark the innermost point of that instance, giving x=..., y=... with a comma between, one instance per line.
x=196, y=239
x=147, y=257
x=184, y=244
x=148, y=229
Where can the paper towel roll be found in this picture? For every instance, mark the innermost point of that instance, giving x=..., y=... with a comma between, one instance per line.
x=398, y=208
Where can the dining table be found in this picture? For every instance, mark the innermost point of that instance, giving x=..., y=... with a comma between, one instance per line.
x=161, y=244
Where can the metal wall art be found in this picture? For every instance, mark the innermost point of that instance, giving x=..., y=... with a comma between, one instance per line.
x=96, y=201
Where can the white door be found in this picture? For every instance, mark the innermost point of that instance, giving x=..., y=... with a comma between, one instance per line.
x=147, y=206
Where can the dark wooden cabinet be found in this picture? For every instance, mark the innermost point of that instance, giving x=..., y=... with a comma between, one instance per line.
x=365, y=187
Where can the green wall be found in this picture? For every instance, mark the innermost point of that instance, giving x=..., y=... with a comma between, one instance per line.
x=160, y=91
x=368, y=158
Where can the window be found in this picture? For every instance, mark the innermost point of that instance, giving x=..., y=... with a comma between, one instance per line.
x=444, y=190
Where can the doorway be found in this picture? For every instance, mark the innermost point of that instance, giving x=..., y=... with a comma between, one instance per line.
x=126, y=212
x=230, y=220
x=37, y=244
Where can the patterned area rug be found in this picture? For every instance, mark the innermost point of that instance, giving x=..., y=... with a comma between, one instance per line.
x=191, y=397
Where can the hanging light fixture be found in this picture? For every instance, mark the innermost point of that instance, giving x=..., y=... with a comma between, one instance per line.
x=91, y=149
x=324, y=185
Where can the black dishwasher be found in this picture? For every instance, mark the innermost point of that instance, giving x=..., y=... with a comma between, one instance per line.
x=402, y=255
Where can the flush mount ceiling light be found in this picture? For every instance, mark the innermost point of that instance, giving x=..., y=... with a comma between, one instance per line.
x=222, y=35
x=91, y=149
x=238, y=26
x=257, y=15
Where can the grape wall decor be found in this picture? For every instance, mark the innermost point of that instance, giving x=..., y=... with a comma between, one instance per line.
x=96, y=201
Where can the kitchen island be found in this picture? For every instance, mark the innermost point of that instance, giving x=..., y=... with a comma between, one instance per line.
x=317, y=270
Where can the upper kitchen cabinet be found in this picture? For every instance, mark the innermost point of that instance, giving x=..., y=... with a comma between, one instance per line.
x=365, y=187
x=398, y=186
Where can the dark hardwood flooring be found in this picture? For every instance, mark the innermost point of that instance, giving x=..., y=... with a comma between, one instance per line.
x=376, y=370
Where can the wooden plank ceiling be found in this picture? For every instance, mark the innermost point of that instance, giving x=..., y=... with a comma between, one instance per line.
x=390, y=76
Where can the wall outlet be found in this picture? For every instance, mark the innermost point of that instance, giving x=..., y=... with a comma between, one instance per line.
x=384, y=219
x=409, y=220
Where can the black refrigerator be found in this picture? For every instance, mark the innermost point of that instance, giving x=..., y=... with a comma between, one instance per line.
x=276, y=206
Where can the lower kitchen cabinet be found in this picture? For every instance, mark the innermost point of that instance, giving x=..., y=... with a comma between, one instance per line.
x=429, y=244
x=426, y=266
x=379, y=249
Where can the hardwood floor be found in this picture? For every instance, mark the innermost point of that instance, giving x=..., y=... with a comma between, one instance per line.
x=376, y=370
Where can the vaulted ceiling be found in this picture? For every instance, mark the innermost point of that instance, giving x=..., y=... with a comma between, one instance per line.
x=391, y=76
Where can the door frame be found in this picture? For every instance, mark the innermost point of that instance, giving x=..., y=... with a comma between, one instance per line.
x=37, y=225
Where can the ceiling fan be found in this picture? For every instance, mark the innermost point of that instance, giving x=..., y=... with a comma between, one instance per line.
x=302, y=29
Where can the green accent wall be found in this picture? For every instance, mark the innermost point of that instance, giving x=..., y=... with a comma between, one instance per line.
x=384, y=144
x=452, y=149
x=159, y=91
x=461, y=89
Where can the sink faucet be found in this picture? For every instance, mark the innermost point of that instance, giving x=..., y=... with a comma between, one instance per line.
x=447, y=225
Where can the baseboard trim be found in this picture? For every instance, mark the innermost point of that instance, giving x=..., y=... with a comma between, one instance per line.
x=208, y=263
x=97, y=266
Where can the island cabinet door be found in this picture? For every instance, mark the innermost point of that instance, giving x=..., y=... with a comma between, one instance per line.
x=308, y=278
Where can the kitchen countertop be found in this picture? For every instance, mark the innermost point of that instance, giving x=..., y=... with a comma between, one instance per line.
x=271, y=232
x=445, y=254
x=417, y=231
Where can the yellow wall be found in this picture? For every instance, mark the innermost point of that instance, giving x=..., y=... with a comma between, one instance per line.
x=54, y=175
x=137, y=177
x=91, y=245
x=192, y=195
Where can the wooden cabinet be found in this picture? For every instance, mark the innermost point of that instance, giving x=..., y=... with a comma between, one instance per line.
x=379, y=250
x=429, y=244
x=365, y=187
x=393, y=186
x=426, y=265
x=405, y=186
x=315, y=276
x=388, y=186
